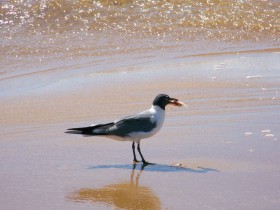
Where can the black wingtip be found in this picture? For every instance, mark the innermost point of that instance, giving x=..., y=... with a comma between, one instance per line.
x=90, y=130
x=82, y=130
x=69, y=131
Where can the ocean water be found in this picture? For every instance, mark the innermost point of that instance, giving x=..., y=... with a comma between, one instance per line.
x=51, y=35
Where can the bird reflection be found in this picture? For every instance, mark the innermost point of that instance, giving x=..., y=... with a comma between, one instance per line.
x=126, y=195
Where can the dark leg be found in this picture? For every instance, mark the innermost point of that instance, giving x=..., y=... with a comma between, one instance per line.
x=143, y=159
x=134, y=156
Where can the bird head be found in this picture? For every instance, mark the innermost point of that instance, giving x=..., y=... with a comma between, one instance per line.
x=162, y=100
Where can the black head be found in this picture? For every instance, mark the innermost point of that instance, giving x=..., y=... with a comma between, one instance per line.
x=163, y=100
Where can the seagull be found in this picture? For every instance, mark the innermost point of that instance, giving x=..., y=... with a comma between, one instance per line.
x=135, y=127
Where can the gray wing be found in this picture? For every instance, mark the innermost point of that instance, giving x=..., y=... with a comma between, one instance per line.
x=141, y=122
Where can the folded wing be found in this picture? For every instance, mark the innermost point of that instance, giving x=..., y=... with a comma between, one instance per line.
x=101, y=129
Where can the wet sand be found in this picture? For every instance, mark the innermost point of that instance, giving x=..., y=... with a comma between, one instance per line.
x=222, y=152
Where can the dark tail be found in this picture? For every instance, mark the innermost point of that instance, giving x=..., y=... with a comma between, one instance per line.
x=100, y=129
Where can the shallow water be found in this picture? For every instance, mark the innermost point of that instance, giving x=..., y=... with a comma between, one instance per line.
x=46, y=35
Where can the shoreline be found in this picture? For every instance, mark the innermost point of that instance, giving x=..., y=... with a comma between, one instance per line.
x=74, y=70
x=221, y=81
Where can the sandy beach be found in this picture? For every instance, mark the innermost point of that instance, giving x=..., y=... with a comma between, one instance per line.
x=221, y=152
x=75, y=63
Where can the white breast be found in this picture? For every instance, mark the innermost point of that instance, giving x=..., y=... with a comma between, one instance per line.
x=158, y=117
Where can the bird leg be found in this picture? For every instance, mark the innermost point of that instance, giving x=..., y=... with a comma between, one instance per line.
x=142, y=157
x=134, y=156
x=145, y=163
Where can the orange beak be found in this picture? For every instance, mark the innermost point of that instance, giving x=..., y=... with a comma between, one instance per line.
x=176, y=102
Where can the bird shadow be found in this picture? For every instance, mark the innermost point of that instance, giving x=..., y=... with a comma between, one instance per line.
x=156, y=168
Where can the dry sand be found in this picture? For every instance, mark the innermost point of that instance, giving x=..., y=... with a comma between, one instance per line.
x=222, y=152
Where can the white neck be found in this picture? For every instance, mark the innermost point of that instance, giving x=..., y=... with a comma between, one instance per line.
x=158, y=112
x=157, y=108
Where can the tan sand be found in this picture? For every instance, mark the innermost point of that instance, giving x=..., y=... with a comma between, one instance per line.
x=222, y=152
